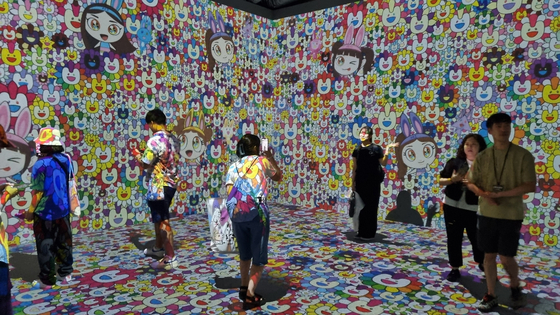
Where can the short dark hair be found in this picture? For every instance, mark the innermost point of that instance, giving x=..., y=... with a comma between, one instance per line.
x=369, y=131
x=498, y=118
x=156, y=116
x=481, y=144
x=50, y=149
x=249, y=144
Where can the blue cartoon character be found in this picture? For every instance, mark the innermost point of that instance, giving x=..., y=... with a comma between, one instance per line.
x=416, y=149
x=348, y=58
x=218, y=43
x=103, y=28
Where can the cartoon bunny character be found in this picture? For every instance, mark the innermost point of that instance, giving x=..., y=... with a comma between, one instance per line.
x=219, y=44
x=17, y=157
x=416, y=150
x=348, y=57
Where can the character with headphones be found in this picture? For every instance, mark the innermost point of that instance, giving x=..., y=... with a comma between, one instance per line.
x=247, y=187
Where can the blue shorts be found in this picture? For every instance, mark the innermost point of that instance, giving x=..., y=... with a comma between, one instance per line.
x=160, y=208
x=252, y=240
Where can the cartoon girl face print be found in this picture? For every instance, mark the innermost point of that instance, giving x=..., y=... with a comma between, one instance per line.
x=419, y=154
x=193, y=135
x=192, y=145
x=222, y=50
x=17, y=158
x=417, y=151
x=346, y=65
x=104, y=28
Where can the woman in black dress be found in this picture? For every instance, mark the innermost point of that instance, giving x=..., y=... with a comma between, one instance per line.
x=367, y=176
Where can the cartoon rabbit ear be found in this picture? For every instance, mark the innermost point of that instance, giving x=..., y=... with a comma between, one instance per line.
x=405, y=125
x=416, y=123
x=359, y=36
x=23, y=123
x=5, y=116
x=349, y=35
x=212, y=22
x=221, y=24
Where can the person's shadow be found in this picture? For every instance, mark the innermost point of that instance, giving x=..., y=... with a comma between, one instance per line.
x=404, y=211
x=477, y=287
x=25, y=266
x=379, y=238
x=270, y=289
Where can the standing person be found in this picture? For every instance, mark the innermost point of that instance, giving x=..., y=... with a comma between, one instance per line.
x=247, y=188
x=367, y=176
x=500, y=176
x=460, y=204
x=50, y=209
x=160, y=160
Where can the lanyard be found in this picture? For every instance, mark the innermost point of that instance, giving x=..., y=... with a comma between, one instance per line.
x=503, y=166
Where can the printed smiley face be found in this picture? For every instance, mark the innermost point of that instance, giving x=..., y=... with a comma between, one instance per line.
x=11, y=58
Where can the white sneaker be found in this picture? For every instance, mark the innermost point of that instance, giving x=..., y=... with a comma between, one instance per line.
x=159, y=253
x=64, y=280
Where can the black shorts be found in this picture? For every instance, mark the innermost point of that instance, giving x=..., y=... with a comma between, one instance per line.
x=499, y=236
x=160, y=208
x=252, y=240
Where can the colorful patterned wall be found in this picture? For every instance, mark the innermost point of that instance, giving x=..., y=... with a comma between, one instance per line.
x=432, y=67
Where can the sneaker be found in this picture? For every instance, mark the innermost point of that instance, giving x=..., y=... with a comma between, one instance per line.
x=166, y=263
x=159, y=253
x=454, y=275
x=487, y=303
x=64, y=280
x=38, y=284
x=517, y=298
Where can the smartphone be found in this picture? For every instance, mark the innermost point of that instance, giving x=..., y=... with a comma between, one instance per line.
x=463, y=169
x=264, y=145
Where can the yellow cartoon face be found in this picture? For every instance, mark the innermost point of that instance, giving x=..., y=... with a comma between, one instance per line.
x=551, y=92
x=11, y=58
x=476, y=73
x=99, y=85
x=549, y=117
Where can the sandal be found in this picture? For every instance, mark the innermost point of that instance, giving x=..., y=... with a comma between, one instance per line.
x=251, y=302
x=243, y=292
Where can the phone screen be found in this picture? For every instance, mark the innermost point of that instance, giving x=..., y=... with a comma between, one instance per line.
x=264, y=145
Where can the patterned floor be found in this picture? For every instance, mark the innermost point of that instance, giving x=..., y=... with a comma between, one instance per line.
x=315, y=268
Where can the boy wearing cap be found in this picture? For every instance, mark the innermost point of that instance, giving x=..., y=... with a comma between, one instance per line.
x=50, y=209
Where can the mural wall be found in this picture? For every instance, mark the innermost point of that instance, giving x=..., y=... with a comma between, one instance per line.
x=308, y=83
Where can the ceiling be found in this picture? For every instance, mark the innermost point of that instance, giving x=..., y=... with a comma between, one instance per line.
x=277, y=9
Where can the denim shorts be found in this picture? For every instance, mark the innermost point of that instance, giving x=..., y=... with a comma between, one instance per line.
x=160, y=208
x=252, y=240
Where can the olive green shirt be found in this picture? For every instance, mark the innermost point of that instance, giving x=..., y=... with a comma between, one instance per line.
x=518, y=168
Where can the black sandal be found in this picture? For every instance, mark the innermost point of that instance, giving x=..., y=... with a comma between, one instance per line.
x=243, y=292
x=251, y=302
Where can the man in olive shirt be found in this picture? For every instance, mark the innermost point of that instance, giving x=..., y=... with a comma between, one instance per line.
x=500, y=176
